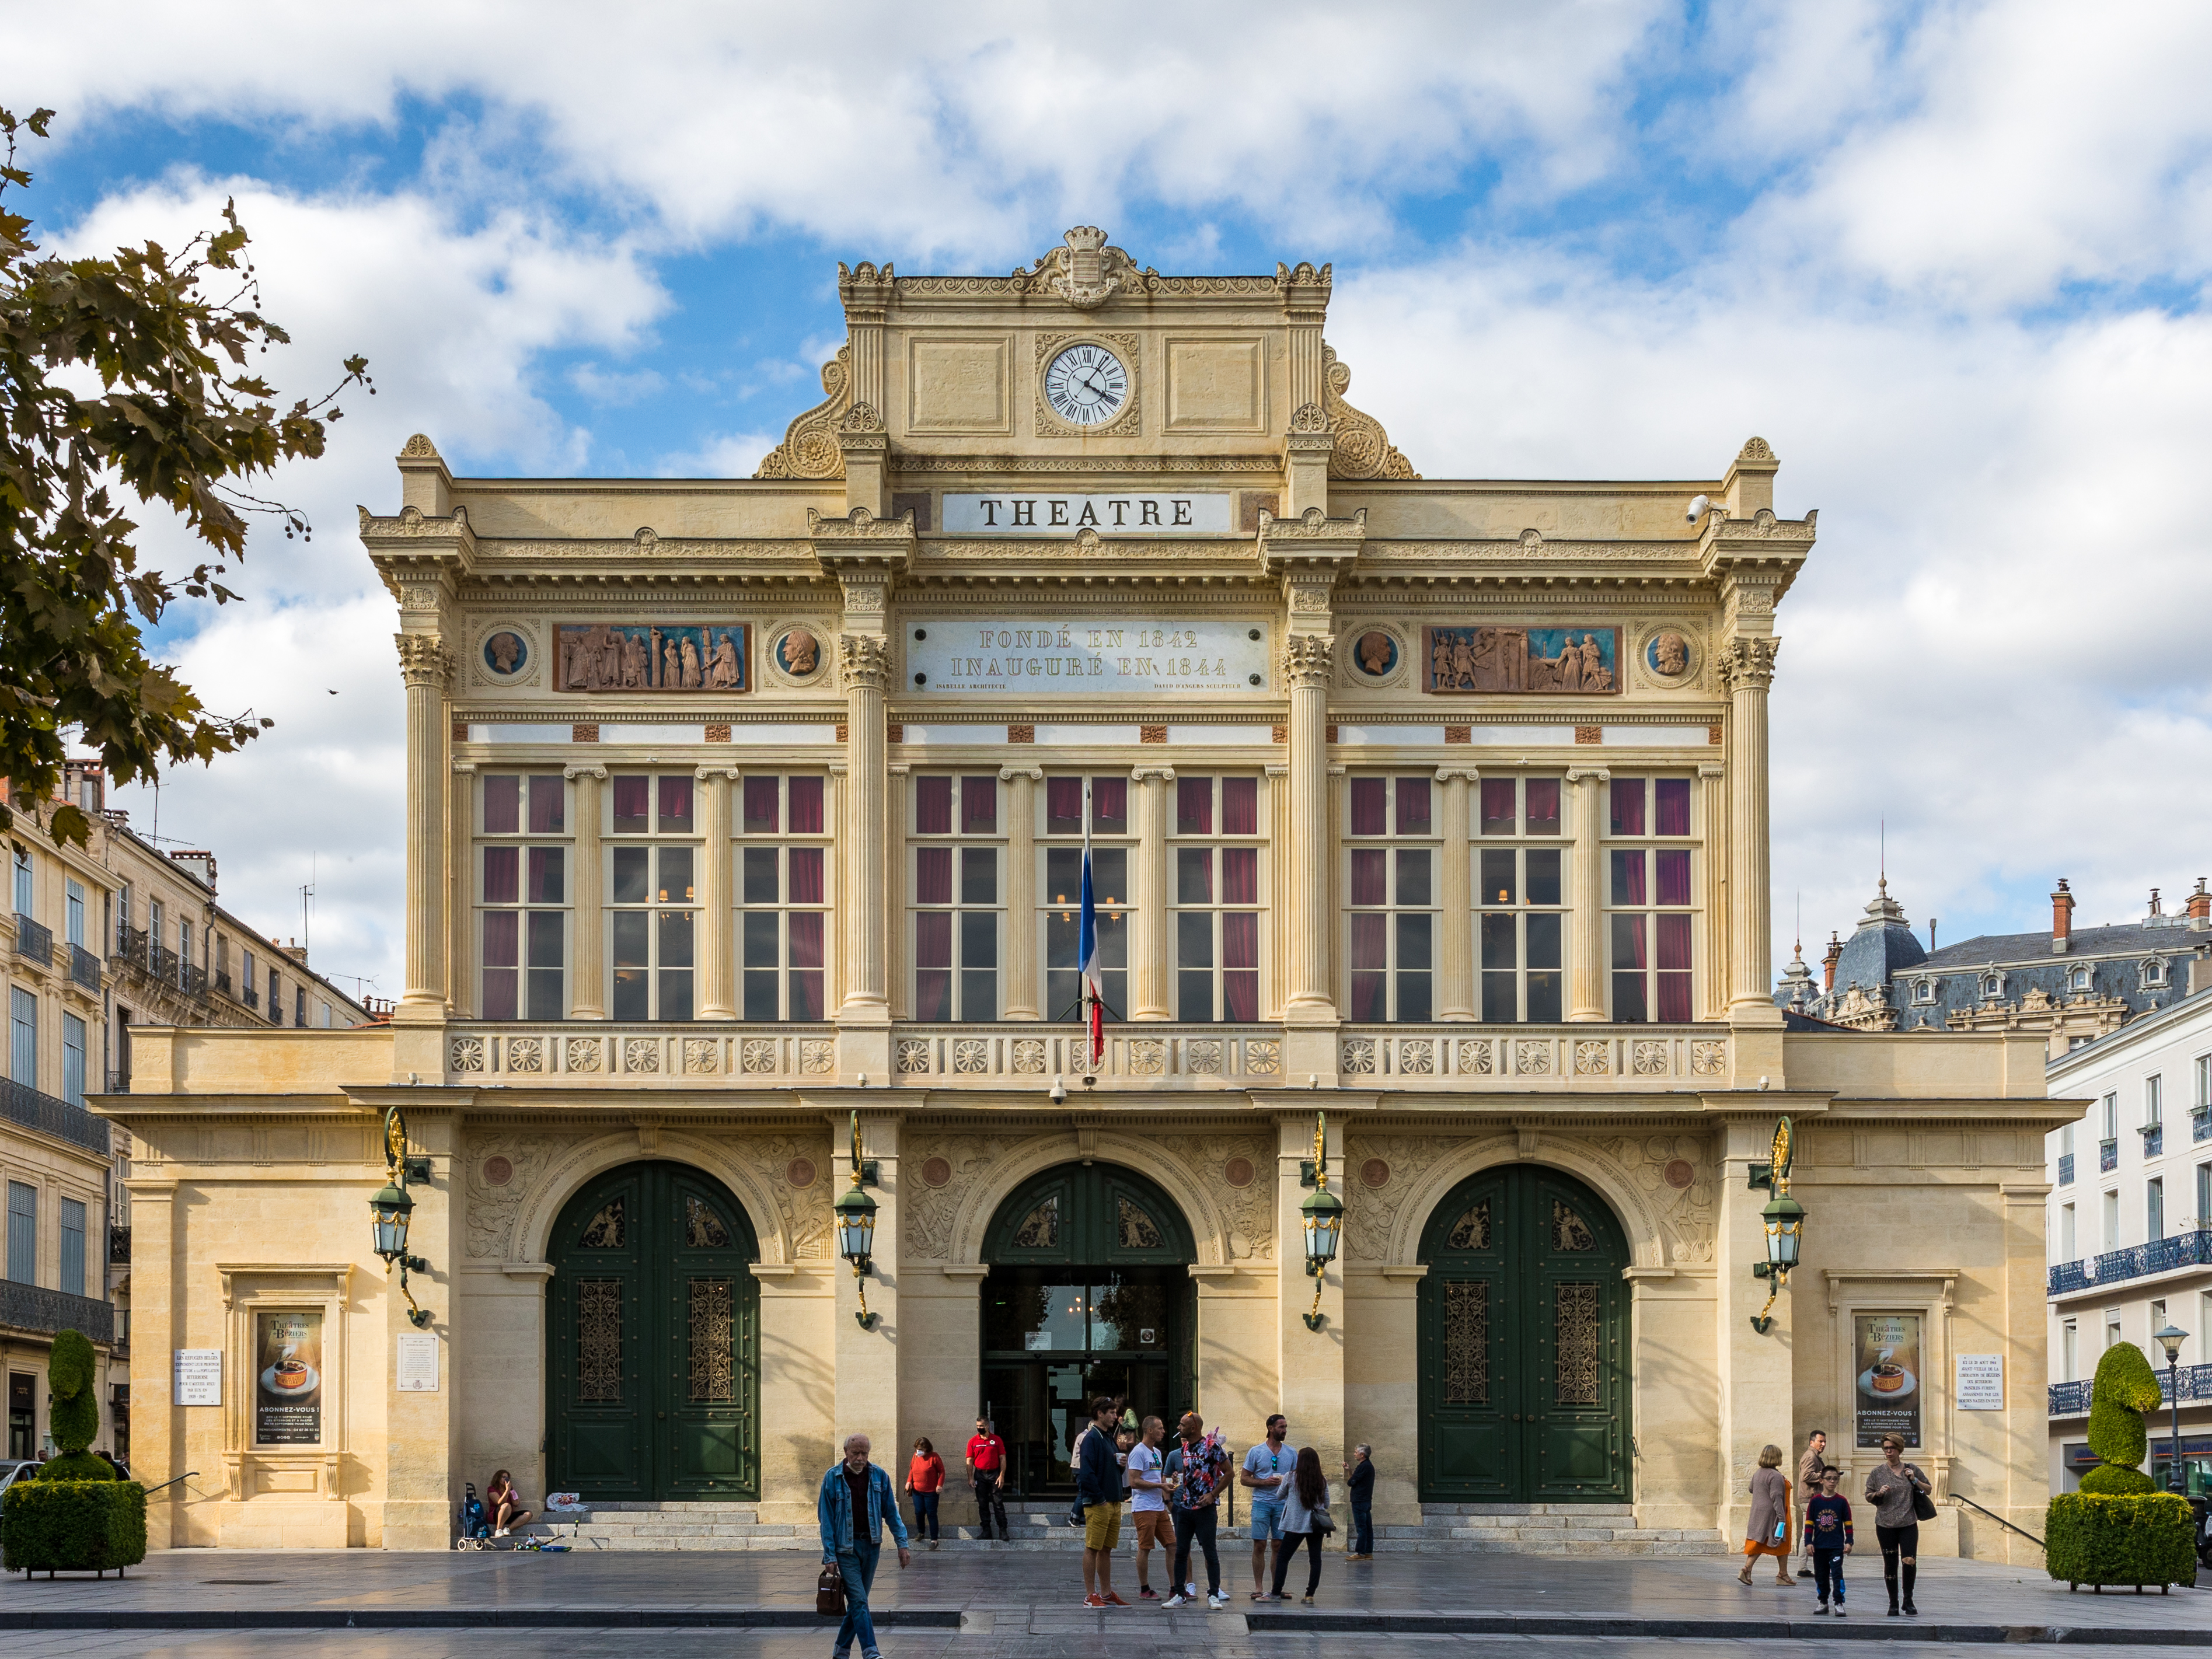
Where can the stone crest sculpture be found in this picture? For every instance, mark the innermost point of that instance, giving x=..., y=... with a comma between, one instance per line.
x=1575, y=661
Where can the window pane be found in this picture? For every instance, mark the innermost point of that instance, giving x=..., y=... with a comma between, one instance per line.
x=979, y=993
x=1671, y=806
x=1194, y=994
x=1543, y=935
x=547, y=805
x=499, y=864
x=978, y=875
x=806, y=993
x=932, y=993
x=1628, y=997
x=676, y=993
x=760, y=806
x=979, y=804
x=1414, y=878
x=1628, y=806
x=1194, y=875
x=1240, y=875
x=1675, y=997
x=502, y=801
x=1370, y=934
x=932, y=806
x=1500, y=945
x=1063, y=806
x=1543, y=875
x=1496, y=876
x=1672, y=867
x=805, y=874
x=1369, y=802
x=1109, y=805
x=547, y=882
x=1499, y=997
x=1240, y=939
x=759, y=990
x=761, y=930
x=1413, y=942
x=805, y=806
x=1370, y=995
x=1544, y=994
x=1370, y=878
x=1413, y=995
x=547, y=937
x=546, y=1001
x=1109, y=875
x=1194, y=806
x=676, y=805
x=499, y=993
x=1195, y=944
x=1063, y=875
x=759, y=866
x=502, y=933
x=632, y=998
x=806, y=927
x=1240, y=994
x=1240, y=806
x=675, y=876
x=932, y=875
x=1674, y=941
x=1498, y=806
x=633, y=796
x=1543, y=807
x=1628, y=942
x=1413, y=806
x=979, y=942
x=1628, y=878
x=932, y=939
x=626, y=932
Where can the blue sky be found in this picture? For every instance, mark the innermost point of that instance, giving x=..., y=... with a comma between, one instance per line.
x=1949, y=260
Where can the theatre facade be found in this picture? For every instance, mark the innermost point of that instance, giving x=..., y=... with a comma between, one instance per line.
x=743, y=817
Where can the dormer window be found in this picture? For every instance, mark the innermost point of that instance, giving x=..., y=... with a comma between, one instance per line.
x=2080, y=980
x=2154, y=970
x=1924, y=990
x=1993, y=986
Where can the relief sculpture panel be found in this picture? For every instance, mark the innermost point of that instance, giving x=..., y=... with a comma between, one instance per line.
x=1575, y=661
x=662, y=657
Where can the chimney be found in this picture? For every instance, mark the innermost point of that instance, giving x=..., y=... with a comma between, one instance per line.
x=2199, y=909
x=1835, y=954
x=200, y=863
x=2061, y=920
x=2156, y=909
x=296, y=951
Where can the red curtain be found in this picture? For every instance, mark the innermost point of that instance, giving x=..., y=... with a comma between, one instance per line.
x=501, y=941
x=1240, y=806
x=675, y=804
x=1369, y=941
x=806, y=939
x=1674, y=874
x=633, y=802
x=1063, y=806
x=1369, y=798
x=1497, y=806
x=806, y=810
x=502, y=797
x=1370, y=878
x=500, y=864
x=932, y=806
x=1628, y=878
x=1240, y=875
x=1413, y=806
x=1628, y=806
x=1109, y=805
x=807, y=872
x=1194, y=806
x=979, y=804
x=760, y=806
x=1671, y=803
x=932, y=876
x=1543, y=807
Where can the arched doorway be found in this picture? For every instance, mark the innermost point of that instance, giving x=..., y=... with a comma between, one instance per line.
x=1090, y=1293
x=654, y=1375
x=1524, y=1343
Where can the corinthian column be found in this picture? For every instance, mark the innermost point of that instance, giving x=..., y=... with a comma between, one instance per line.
x=426, y=667
x=1308, y=659
x=1586, y=954
x=717, y=949
x=1148, y=922
x=586, y=970
x=866, y=661
x=1022, y=985
x=1747, y=666
x=1456, y=997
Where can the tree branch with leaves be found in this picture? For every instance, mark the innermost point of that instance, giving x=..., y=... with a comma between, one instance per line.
x=180, y=421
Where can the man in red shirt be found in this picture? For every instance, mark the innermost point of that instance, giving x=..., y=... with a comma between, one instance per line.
x=987, y=1471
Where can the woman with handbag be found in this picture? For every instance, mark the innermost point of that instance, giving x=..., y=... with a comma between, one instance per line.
x=1768, y=1531
x=1899, y=1493
x=1306, y=1520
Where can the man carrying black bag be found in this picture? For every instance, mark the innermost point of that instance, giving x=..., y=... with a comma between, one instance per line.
x=853, y=1506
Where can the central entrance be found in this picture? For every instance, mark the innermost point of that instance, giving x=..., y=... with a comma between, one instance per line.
x=1090, y=1293
x=1524, y=1341
x=655, y=1331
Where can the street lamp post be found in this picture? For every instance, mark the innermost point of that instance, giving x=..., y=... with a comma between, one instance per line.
x=2171, y=1338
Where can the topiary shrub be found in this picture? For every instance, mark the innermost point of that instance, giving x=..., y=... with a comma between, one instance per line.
x=74, y=1466
x=2147, y=1538
x=2126, y=1388
x=72, y=1370
x=72, y=1525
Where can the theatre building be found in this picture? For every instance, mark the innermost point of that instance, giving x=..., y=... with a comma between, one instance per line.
x=1430, y=814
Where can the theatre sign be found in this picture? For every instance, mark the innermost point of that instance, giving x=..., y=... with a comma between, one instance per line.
x=1425, y=814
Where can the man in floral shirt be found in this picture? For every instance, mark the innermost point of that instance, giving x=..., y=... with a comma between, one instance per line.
x=1196, y=1475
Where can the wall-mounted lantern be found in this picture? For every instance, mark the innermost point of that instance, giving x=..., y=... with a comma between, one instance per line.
x=1322, y=1216
x=393, y=1209
x=1785, y=1220
x=856, y=1226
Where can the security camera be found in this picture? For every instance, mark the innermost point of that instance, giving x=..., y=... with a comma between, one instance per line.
x=1762, y=1085
x=1058, y=1091
x=1699, y=505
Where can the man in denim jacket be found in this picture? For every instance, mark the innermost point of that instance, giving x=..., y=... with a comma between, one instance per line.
x=854, y=1550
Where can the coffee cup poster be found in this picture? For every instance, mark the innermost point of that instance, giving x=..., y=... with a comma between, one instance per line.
x=1886, y=1396
x=287, y=1391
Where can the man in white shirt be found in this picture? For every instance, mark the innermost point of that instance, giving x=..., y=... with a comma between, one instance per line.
x=1149, y=1505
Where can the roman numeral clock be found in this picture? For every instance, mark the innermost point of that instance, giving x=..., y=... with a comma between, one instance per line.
x=1086, y=385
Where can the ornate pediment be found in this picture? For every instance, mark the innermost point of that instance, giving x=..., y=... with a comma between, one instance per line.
x=810, y=447
x=1086, y=271
x=1363, y=449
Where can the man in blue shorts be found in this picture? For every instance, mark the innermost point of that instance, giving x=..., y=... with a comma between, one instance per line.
x=1267, y=1471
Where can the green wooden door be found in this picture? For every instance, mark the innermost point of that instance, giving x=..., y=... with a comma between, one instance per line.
x=1524, y=1344
x=655, y=1331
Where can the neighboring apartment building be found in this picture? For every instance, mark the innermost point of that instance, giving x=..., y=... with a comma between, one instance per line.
x=2131, y=1224
x=103, y=939
x=2068, y=987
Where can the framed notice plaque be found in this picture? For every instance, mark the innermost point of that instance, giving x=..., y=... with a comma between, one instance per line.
x=197, y=1377
x=1980, y=1381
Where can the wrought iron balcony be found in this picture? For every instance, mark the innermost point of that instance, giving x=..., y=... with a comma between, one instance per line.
x=34, y=941
x=2153, y=1139
x=2070, y=1398
x=2192, y=1248
x=119, y=1247
x=223, y=983
x=84, y=966
x=2108, y=1155
x=2065, y=1169
x=56, y=1117
x=2200, y=1124
x=35, y=1307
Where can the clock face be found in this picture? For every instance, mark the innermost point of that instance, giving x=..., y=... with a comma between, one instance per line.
x=1086, y=385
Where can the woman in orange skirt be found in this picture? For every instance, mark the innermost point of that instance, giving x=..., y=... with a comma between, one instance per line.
x=1768, y=1533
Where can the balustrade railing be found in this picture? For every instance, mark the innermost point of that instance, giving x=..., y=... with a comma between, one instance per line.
x=54, y=1116
x=84, y=966
x=2072, y=1398
x=35, y=1307
x=2192, y=1248
x=34, y=940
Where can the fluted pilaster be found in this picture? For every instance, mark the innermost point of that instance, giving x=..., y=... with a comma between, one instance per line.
x=1586, y=953
x=1456, y=997
x=1308, y=661
x=426, y=667
x=717, y=899
x=866, y=661
x=1023, y=984
x=1148, y=921
x=586, y=934
x=1747, y=666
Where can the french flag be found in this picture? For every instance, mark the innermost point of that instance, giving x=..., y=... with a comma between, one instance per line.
x=1088, y=962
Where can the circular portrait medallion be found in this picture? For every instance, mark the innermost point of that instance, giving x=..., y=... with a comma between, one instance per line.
x=1375, y=653
x=506, y=653
x=798, y=653
x=1667, y=655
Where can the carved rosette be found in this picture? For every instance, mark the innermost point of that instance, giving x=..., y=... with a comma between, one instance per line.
x=809, y=448
x=1363, y=449
x=1747, y=665
x=424, y=661
x=865, y=661
x=1309, y=659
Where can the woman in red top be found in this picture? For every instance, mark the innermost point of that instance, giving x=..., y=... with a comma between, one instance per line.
x=925, y=1481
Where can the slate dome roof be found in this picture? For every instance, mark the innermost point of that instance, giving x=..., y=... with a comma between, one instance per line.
x=1882, y=943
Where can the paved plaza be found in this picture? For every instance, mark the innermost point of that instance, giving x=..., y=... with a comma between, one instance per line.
x=363, y=1605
